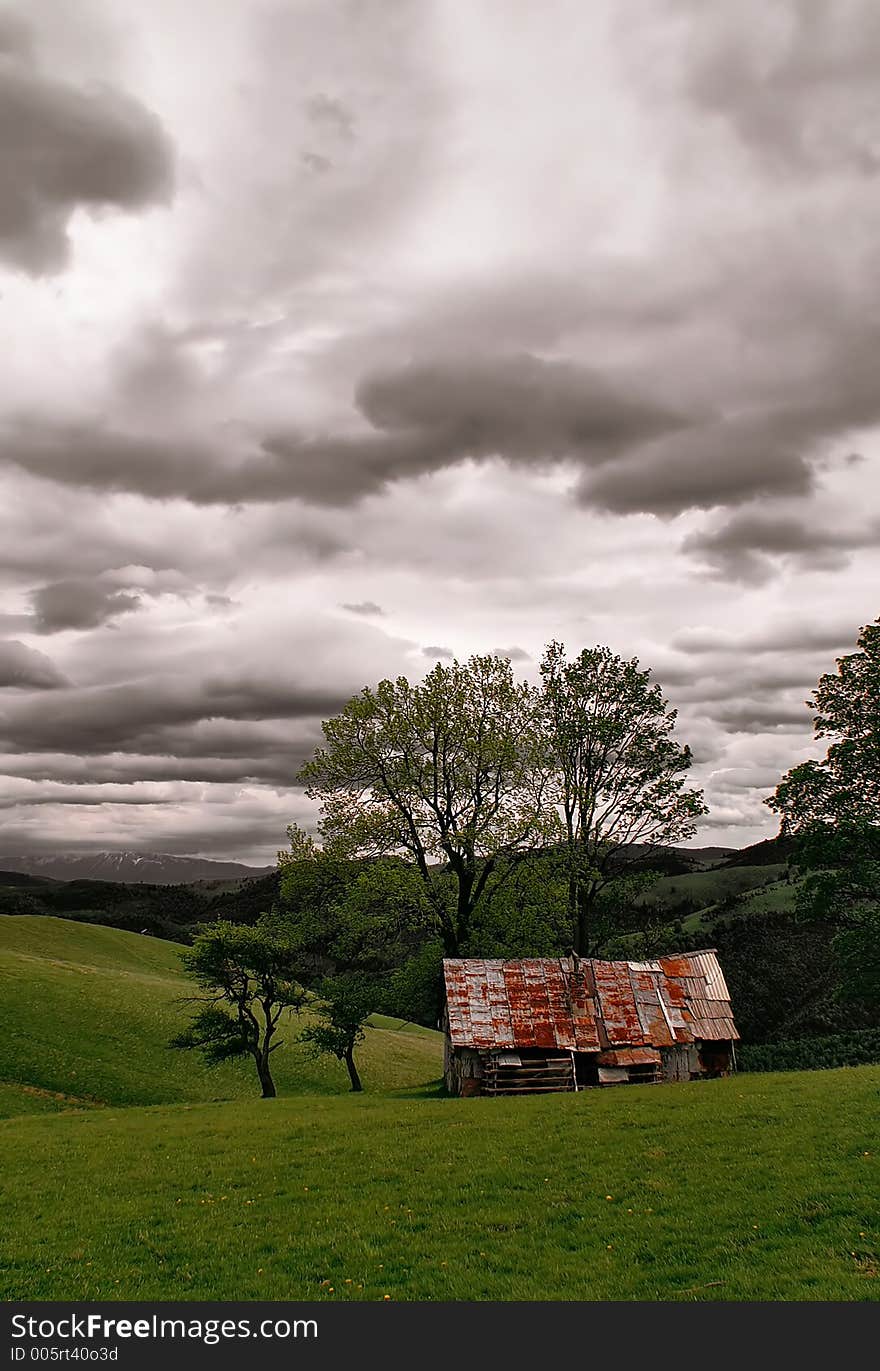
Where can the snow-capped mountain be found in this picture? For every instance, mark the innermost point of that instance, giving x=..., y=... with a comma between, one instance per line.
x=132, y=868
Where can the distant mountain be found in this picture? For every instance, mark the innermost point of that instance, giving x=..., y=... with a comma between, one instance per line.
x=130, y=868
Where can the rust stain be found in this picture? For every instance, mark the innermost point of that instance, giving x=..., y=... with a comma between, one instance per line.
x=589, y=1006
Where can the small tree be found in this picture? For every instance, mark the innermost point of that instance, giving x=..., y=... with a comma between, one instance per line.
x=345, y=1002
x=248, y=975
x=448, y=772
x=618, y=774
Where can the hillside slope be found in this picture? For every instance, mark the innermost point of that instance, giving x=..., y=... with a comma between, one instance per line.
x=87, y=1013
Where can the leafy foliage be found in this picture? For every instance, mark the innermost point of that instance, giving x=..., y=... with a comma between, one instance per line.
x=617, y=778
x=353, y=925
x=345, y=1002
x=447, y=772
x=248, y=974
x=859, y=1048
x=470, y=773
x=832, y=807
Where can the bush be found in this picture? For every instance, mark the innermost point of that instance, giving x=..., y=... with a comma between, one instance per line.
x=414, y=991
x=807, y=1054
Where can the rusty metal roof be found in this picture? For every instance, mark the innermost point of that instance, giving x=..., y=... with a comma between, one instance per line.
x=588, y=1006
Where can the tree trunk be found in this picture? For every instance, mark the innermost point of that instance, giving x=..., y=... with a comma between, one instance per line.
x=574, y=912
x=464, y=907
x=352, y=1069
x=585, y=899
x=266, y=1082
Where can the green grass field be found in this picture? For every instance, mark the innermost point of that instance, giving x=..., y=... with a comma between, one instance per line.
x=756, y=1188
x=179, y=1183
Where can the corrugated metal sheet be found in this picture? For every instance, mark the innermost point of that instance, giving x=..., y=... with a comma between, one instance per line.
x=582, y=1000
x=617, y=1004
x=630, y=1056
x=647, y=990
x=696, y=981
x=594, y=1005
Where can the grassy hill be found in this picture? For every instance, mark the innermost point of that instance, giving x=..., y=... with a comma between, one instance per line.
x=87, y=1012
x=704, y=889
x=752, y=1188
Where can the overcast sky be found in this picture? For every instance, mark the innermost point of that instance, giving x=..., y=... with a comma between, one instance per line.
x=340, y=336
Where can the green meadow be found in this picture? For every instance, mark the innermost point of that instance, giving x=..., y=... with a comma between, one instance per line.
x=130, y=1171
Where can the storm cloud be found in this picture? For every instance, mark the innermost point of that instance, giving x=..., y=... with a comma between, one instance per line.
x=64, y=147
x=78, y=604
x=415, y=420
x=406, y=330
x=22, y=666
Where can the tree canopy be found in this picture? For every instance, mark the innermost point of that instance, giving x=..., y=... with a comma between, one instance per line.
x=832, y=808
x=844, y=787
x=447, y=771
x=470, y=771
x=618, y=776
x=248, y=975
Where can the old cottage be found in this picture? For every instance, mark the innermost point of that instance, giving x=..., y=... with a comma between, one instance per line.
x=541, y=1024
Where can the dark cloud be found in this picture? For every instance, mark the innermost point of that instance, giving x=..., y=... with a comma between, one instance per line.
x=513, y=654
x=137, y=717
x=797, y=84
x=78, y=604
x=25, y=668
x=422, y=418
x=80, y=797
x=438, y=653
x=796, y=636
x=61, y=148
x=266, y=758
x=15, y=36
x=724, y=462
x=749, y=546
x=745, y=676
x=763, y=716
x=257, y=833
x=331, y=114
x=364, y=607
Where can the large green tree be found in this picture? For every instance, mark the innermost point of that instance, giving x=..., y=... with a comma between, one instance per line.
x=448, y=772
x=618, y=779
x=832, y=808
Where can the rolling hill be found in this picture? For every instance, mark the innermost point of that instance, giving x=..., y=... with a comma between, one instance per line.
x=86, y=1015
x=170, y=899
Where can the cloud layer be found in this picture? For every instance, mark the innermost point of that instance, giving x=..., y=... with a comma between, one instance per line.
x=404, y=332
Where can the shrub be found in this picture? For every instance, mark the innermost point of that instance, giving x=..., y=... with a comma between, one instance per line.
x=807, y=1054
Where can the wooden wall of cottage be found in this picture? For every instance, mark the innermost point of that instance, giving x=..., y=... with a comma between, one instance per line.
x=464, y=1067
